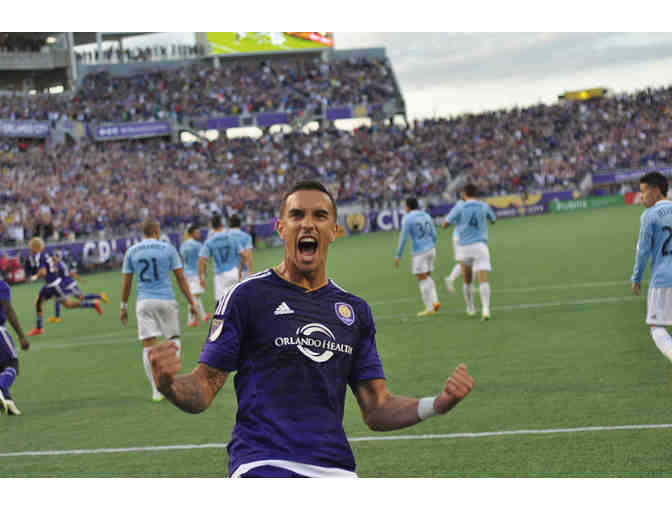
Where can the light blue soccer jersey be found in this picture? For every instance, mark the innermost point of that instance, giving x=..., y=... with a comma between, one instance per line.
x=417, y=225
x=224, y=249
x=655, y=242
x=244, y=238
x=456, y=234
x=151, y=261
x=190, y=250
x=471, y=221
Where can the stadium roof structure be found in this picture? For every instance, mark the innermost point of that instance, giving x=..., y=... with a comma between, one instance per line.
x=90, y=37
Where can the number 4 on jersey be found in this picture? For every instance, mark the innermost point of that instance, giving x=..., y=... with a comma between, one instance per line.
x=473, y=222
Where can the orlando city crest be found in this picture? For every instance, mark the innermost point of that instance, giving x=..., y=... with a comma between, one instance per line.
x=345, y=312
x=215, y=329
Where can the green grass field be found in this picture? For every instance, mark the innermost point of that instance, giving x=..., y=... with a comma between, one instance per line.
x=566, y=366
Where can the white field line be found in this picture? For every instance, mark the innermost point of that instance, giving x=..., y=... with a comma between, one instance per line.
x=495, y=290
x=459, y=435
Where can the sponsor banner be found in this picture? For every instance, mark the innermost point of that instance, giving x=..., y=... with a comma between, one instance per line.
x=627, y=175
x=24, y=128
x=516, y=201
x=339, y=113
x=120, y=131
x=523, y=210
x=355, y=223
x=221, y=123
x=270, y=119
x=586, y=203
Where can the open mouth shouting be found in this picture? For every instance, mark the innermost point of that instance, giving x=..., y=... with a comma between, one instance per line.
x=307, y=248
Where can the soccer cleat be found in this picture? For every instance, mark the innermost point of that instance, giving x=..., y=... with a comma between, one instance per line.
x=485, y=317
x=424, y=313
x=12, y=409
x=96, y=305
x=104, y=298
x=207, y=317
x=436, y=306
x=157, y=397
x=4, y=407
x=192, y=324
x=54, y=320
x=471, y=311
x=35, y=331
x=449, y=285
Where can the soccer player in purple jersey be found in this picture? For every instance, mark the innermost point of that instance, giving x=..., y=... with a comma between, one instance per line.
x=296, y=340
x=9, y=359
x=53, y=286
x=69, y=285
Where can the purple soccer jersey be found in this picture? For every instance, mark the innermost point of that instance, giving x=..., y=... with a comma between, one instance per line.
x=4, y=296
x=294, y=353
x=44, y=260
x=7, y=350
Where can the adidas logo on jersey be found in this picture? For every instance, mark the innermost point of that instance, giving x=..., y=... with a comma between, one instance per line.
x=283, y=309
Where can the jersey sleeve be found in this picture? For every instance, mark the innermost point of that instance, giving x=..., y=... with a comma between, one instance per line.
x=175, y=261
x=366, y=363
x=454, y=215
x=183, y=250
x=222, y=347
x=644, y=244
x=489, y=213
x=403, y=237
x=205, y=250
x=127, y=267
x=4, y=291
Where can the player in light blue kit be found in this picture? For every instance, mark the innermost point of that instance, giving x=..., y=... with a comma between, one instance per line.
x=246, y=242
x=189, y=251
x=228, y=256
x=471, y=222
x=418, y=225
x=449, y=281
x=655, y=234
x=156, y=309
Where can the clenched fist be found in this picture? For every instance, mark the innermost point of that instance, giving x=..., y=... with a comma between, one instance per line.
x=165, y=362
x=458, y=386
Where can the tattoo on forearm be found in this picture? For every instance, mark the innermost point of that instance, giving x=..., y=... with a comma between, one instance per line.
x=193, y=394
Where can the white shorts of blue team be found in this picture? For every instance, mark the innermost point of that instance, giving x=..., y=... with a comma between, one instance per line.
x=423, y=262
x=157, y=317
x=456, y=247
x=476, y=256
x=659, y=306
x=224, y=281
x=194, y=283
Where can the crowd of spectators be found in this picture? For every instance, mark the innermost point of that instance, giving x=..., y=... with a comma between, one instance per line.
x=203, y=90
x=139, y=54
x=21, y=42
x=85, y=188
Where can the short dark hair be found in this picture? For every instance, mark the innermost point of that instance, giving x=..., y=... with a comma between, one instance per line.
x=192, y=229
x=412, y=203
x=655, y=180
x=234, y=221
x=216, y=221
x=308, y=185
x=150, y=227
x=470, y=190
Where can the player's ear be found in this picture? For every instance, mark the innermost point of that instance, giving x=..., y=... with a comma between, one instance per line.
x=280, y=227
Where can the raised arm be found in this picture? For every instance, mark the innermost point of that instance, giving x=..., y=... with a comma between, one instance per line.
x=381, y=410
x=193, y=392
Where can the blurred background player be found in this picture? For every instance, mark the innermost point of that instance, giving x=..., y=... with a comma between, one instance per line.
x=471, y=222
x=418, y=225
x=9, y=359
x=52, y=289
x=156, y=308
x=245, y=241
x=70, y=287
x=189, y=251
x=655, y=233
x=228, y=257
x=449, y=281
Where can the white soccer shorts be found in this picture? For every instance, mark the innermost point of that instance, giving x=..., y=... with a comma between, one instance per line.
x=157, y=317
x=456, y=248
x=476, y=256
x=423, y=262
x=659, y=306
x=224, y=281
x=195, y=285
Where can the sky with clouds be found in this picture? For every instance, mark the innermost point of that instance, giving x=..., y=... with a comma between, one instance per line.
x=448, y=73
